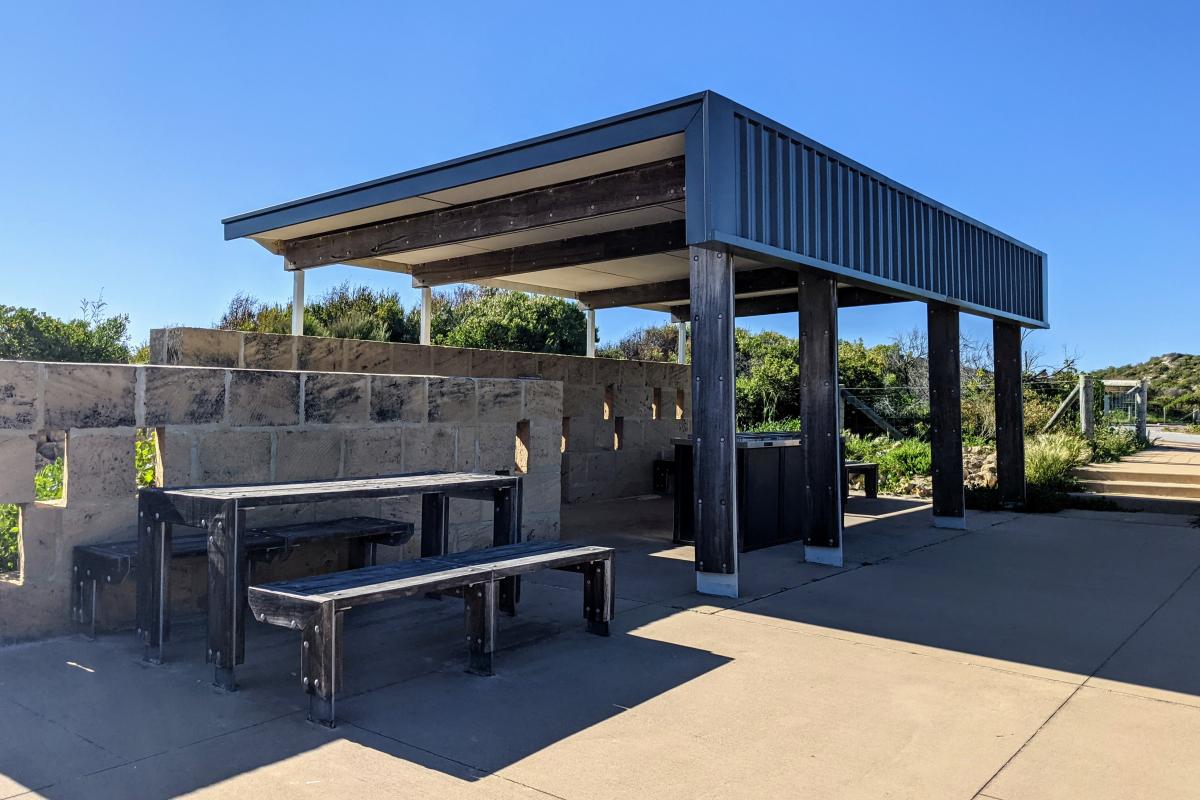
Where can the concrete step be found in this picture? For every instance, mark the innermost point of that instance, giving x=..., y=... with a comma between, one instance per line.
x=1126, y=471
x=1148, y=504
x=1189, y=491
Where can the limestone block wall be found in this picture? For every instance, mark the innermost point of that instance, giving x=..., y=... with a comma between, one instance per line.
x=617, y=416
x=219, y=425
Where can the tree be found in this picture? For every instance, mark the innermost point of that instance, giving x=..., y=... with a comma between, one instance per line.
x=658, y=343
x=497, y=319
x=26, y=333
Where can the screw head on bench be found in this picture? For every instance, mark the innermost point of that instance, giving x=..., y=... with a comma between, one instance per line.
x=316, y=628
x=306, y=680
x=262, y=617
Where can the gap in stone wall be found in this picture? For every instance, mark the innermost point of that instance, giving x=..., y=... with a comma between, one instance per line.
x=521, y=452
x=656, y=403
x=566, y=434
x=618, y=432
x=610, y=399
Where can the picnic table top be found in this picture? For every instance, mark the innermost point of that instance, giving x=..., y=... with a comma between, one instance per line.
x=345, y=488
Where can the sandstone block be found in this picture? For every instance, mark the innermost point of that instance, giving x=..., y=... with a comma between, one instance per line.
x=174, y=447
x=374, y=451
x=584, y=401
x=492, y=364
x=543, y=399
x=108, y=520
x=499, y=399
x=633, y=373
x=318, y=353
x=264, y=398
x=632, y=401
x=410, y=359
x=184, y=396
x=202, y=347
x=581, y=370
x=495, y=445
x=308, y=455
x=99, y=466
x=89, y=396
x=545, y=444
x=553, y=368
x=399, y=398
x=366, y=356
x=41, y=533
x=16, y=467
x=452, y=400
x=540, y=527
x=541, y=492
x=451, y=361
x=608, y=371
x=334, y=397
x=268, y=351
x=429, y=447
x=234, y=457
x=18, y=395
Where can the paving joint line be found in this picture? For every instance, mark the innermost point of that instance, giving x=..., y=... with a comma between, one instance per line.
x=1137, y=628
x=452, y=760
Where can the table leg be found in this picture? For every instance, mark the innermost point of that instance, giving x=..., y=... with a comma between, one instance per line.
x=153, y=582
x=435, y=524
x=506, y=529
x=226, y=593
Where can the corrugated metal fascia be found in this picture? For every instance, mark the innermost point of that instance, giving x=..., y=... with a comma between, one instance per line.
x=753, y=249
x=633, y=127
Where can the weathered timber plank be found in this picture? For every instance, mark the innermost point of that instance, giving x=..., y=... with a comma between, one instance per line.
x=821, y=459
x=945, y=430
x=625, y=190
x=1010, y=412
x=713, y=466
x=627, y=243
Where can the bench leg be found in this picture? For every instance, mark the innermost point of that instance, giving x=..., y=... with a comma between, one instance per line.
x=321, y=664
x=871, y=482
x=599, y=599
x=92, y=617
x=435, y=529
x=480, y=602
x=226, y=593
x=506, y=529
x=154, y=586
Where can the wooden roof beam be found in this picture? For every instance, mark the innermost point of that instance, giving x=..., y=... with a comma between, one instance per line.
x=594, y=196
x=848, y=297
x=627, y=243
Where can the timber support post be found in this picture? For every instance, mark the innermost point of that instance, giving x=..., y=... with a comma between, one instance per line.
x=591, y=333
x=426, y=315
x=1087, y=407
x=819, y=419
x=1010, y=413
x=713, y=426
x=945, y=430
x=298, y=302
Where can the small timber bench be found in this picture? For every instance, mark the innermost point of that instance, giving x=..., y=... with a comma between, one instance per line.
x=316, y=605
x=111, y=563
x=870, y=473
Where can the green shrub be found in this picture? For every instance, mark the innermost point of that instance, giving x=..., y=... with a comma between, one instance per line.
x=1113, y=444
x=1050, y=458
x=47, y=485
x=772, y=425
x=907, y=458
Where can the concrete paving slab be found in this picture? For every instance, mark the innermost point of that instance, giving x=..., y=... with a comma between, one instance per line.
x=1048, y=595
x=36, y=751
x=1162, y=660
x=1107, y=746
x=728, y=710
x=291, y=758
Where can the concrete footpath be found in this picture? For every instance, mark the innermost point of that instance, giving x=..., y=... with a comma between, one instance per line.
x=1042, y=656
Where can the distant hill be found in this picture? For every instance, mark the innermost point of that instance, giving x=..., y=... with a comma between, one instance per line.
x=1174, y=378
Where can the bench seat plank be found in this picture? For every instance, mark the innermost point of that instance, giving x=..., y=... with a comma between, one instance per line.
x=316, y=605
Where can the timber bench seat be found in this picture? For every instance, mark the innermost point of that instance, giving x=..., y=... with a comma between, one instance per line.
x=316, y=605
x=870, y=473
x=111, y=563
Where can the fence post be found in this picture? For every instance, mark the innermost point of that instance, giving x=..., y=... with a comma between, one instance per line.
x=1143, y=404
x=1087, y=410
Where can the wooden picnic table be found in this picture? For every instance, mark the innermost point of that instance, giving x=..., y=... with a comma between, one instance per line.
x=221, y=510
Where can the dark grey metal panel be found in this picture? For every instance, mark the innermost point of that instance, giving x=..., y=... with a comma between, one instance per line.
x=796, y=196
x=637, y=126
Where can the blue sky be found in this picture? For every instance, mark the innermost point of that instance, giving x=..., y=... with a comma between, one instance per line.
x=129, y=130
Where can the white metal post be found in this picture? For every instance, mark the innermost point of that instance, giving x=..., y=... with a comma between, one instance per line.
x=298, y=302
x=426, y=314
x=591, y=333
x=681, y=343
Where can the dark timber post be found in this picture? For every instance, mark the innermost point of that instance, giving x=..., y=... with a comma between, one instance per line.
x=1010, y=413
x=822, y=481
x=713, y=427
x=945, y=430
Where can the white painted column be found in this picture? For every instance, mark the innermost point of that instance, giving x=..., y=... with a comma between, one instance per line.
x=426, y=315
x=591, y=333
x=298, y=302
x=681, y=343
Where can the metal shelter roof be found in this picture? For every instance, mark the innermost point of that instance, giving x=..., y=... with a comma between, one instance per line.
x=605, y=212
